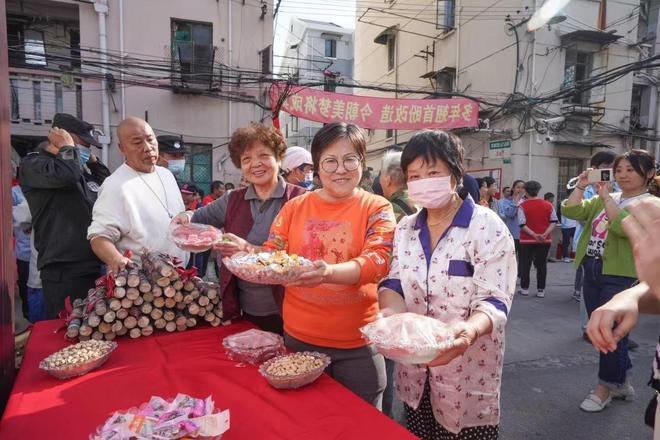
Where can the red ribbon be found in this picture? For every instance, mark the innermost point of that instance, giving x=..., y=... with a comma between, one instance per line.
x=186, y=274
x=67, y=316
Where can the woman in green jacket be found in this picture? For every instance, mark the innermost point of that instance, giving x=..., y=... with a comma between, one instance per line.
x=606, y=255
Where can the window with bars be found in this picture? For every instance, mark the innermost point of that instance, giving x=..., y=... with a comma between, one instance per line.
x=577, y=68
x=15, y=109
x=36, y=96
x=79, y=101
x=568, y=168
x=192, y=50
x=59, y=98
x=199, y=166
x=391, y=52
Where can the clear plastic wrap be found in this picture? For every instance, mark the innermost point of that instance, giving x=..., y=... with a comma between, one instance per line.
x=409, y=338
x=253, y=346
x=195, y=237
x=294, y=370
x=161, y=419
x=77, y=359
x=267, y=267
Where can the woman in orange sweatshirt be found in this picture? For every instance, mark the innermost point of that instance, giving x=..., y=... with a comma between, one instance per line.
x=348, y=233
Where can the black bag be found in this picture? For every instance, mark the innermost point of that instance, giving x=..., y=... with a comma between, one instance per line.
x=649, y=414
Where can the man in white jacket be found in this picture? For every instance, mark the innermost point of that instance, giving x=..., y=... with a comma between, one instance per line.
x=136, y=203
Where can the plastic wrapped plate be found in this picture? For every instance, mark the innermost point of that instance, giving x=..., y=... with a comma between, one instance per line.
x=294, y=370
x=409, y=338
x=195, y=237
x=69, y=371
x=267, y=267
x=253, y=346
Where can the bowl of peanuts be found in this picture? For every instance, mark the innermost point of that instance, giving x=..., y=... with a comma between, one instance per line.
x=77, y=359
x=294, y=370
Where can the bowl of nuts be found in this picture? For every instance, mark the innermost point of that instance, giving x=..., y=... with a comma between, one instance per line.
x=294, y=370
x=78, y=359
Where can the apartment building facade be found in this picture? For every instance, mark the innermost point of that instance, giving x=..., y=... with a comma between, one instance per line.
x=485, y=51
x=315, y=52
x=191, y=69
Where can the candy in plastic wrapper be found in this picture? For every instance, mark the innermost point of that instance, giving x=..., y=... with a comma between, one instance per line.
x=160, y=419
x=195, y=237
x=267, y=267
x=253, y=346
x=409, y=338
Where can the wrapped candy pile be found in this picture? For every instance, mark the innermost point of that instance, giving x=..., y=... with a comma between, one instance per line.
x=195, y=237
x=161, y=419
x=253, y=346
x=409, y=338
x=267, y=267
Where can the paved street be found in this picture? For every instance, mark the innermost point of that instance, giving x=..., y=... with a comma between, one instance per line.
x=549, y=370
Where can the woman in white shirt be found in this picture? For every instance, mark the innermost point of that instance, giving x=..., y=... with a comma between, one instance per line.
x=454, y=261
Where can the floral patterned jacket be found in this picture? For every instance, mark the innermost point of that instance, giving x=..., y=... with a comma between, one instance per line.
x=472, y=268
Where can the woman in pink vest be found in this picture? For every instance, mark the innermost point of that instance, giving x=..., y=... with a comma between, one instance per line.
x=537, y=219
x=248, y=212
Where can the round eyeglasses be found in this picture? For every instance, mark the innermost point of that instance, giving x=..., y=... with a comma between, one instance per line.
x=330, y=165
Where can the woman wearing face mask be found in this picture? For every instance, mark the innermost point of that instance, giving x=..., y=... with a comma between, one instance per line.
x=453, y=261
x=248, y=213
x=297, y=167
x=347, y=232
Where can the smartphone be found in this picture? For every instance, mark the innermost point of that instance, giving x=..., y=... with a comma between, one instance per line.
x=604, y=175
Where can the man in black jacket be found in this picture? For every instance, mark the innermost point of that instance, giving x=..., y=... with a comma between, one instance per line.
x=60, y=184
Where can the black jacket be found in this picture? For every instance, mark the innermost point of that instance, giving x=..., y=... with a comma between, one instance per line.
x=61, y=195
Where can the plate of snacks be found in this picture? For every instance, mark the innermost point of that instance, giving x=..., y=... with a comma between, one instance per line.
x=77, y=359
x=181, y=417
x=294, y=370
x=267, y=267
x=195, y=237
x=253, y=346
x=409, y=338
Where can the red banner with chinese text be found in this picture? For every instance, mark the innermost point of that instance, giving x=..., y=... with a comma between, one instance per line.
x=372, y=112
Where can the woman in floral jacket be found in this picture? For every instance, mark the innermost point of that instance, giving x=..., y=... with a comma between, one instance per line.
x=454, y=261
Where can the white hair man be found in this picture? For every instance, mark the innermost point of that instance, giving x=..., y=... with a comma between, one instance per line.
x=393, y=182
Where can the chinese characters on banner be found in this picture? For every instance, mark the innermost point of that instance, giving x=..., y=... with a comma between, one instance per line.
x=371, y=112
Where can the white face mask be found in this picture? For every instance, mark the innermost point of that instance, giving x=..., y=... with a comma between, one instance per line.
x=431, y=193
x=176, y=166
x=309, y=178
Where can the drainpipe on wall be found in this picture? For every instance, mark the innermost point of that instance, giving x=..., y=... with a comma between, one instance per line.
x=532, y=92
x=101, y=8
x=121, y=52
x=457, y=23
x=230, y=51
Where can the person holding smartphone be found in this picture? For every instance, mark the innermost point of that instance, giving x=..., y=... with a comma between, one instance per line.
x=605, y=252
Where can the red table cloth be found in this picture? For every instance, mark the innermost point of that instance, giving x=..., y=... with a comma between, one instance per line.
x=191, y=362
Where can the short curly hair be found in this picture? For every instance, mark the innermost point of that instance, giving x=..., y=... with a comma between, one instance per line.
x=245, y=137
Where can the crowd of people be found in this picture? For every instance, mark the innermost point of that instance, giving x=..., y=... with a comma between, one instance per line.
x=424, y=237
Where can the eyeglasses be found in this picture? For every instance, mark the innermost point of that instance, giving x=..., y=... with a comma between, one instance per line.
x=330, y=165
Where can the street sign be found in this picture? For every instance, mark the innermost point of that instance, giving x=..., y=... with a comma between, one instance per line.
x=499, y=149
